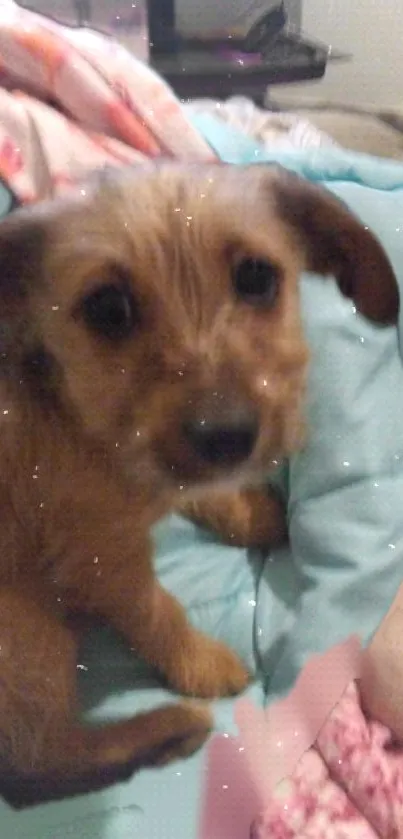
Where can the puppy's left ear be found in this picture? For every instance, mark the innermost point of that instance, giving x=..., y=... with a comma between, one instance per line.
x=336, y=243
x=22, y=244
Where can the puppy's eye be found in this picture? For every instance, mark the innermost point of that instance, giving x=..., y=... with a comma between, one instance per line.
x=111, y=311
x=256, y=281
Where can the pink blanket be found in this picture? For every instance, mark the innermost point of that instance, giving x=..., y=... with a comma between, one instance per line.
x=72, y=100
x=349, y=785
x=316, y=765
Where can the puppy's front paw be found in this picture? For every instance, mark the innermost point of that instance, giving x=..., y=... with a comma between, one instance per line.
x=209, y=670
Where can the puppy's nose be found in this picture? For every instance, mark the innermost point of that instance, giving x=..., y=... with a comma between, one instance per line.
x=224, y=436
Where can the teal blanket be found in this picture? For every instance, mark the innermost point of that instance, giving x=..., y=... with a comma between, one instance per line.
x=345, y=495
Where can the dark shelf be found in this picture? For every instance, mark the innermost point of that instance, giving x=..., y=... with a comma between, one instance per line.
x=197, y=69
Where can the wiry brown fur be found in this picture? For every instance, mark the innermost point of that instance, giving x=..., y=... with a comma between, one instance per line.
x=92, y=451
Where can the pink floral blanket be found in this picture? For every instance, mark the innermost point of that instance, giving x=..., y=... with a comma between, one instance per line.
x=349, y=785
x=324, y=763
x=72, y=100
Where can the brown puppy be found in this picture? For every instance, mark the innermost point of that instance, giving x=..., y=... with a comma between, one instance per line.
x=151, y=347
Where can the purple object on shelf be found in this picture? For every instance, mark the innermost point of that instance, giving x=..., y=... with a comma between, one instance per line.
x=244, y=59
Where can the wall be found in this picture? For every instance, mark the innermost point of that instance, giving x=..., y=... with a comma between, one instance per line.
x=207, y=14
x=373, y=31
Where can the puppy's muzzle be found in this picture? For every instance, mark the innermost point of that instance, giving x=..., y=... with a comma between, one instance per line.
x=222, y=432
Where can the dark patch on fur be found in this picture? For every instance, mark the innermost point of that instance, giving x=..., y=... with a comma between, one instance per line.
x=23, y=239
x=22, y=244
x=21, y=791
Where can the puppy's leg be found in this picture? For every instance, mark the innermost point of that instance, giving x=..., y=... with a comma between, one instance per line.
x=122, y=588
x=44, y=750
x=193, y=663
x=253, y=518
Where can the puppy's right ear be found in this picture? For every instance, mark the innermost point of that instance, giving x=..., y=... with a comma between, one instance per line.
x=23, y=236
x=335, y=242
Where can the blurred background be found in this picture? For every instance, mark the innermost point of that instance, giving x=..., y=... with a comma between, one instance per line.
x=370, y=31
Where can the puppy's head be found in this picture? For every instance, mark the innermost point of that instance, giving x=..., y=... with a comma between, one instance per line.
x=161, y=312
